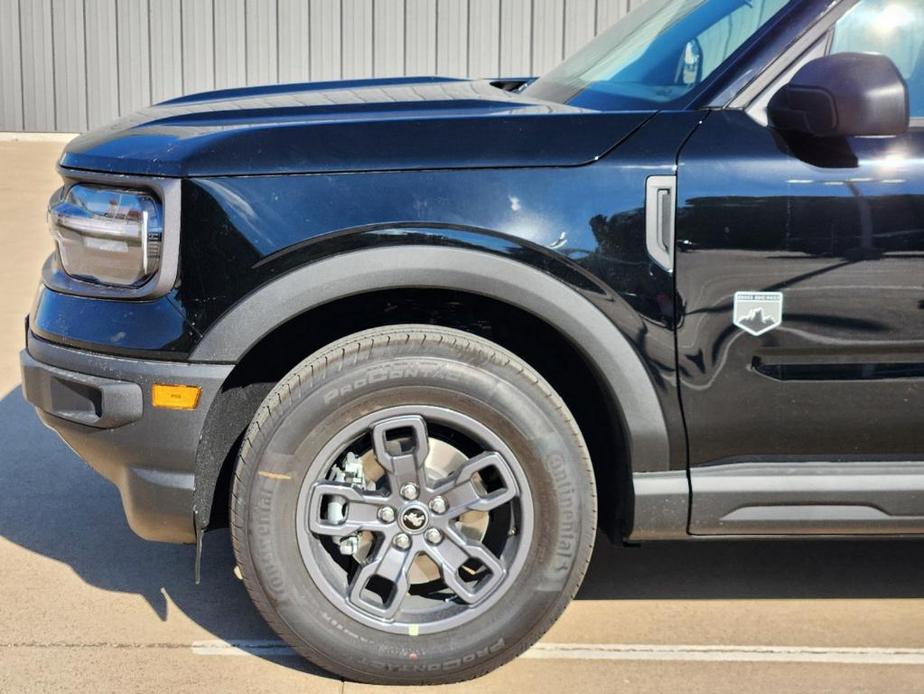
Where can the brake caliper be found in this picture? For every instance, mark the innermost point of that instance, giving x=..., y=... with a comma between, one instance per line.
x=349, y=471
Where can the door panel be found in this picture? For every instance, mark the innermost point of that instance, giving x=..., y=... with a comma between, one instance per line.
x=838, y=228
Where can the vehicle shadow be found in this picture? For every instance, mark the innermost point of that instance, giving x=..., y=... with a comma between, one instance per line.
x=812, y=569
x=54, y=505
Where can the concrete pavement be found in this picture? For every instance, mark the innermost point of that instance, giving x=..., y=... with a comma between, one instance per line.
x=87, y=606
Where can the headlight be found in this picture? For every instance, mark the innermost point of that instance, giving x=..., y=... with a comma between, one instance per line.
x=107, y=235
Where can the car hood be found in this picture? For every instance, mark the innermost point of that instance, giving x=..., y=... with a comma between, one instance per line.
x=368, y=125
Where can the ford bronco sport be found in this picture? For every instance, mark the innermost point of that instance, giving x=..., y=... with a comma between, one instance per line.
x=416, y=340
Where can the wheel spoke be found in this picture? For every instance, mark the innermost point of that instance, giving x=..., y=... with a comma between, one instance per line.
x=408, y=465
x=360, y=511
x=382, y=495
x=456, y=550
x=393, y=565
x=462, y=494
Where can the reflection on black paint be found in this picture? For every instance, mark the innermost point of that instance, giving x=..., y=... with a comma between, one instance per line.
x=837, y=226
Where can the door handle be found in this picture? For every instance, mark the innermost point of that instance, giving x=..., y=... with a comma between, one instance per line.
x=660, y=219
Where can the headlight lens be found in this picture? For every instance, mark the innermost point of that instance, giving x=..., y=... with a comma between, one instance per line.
x=107, y=235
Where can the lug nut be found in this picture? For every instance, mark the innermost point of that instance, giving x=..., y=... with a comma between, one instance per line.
x=349, y=545
x=438, y=504
x=409, y=491
x=387, y=514
x=433, y=536
x=402, y=541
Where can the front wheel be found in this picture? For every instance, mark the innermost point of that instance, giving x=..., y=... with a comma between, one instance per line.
x=412, y=505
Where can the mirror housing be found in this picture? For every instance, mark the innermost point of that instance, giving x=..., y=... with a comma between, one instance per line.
x=843, y=95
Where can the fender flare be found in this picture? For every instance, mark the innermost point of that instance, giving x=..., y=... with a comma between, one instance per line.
x=622, y=369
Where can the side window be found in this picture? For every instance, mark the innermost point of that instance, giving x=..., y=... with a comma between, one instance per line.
x=894, y=28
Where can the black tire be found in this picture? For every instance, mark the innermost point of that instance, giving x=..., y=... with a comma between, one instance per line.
x=419, y=365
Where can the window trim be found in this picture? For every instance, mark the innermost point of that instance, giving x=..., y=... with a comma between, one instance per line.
x=757, y=88
x=757, y=109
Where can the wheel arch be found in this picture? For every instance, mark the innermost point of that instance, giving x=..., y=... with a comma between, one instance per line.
x=621, y=372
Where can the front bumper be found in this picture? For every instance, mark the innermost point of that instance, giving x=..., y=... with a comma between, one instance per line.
x=101, y=406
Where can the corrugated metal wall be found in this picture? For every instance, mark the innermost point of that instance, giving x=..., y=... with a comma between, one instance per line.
x=70, y=65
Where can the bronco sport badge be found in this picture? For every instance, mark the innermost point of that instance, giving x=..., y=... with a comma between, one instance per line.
x=758, y=312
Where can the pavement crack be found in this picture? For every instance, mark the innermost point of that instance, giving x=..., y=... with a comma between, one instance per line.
x=93, y=644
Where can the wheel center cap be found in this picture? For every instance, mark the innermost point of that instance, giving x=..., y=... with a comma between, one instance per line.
x=414, y=518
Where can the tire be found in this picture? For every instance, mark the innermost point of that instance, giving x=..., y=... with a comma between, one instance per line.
x=344, y=434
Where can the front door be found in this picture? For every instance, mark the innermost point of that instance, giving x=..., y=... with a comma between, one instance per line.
x=800, y=281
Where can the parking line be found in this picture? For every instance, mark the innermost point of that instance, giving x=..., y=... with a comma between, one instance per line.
x=638, y=652
x=723, y=653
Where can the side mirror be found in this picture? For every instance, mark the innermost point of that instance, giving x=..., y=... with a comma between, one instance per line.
x=843, y=95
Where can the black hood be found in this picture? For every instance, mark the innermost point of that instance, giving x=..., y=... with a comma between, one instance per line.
x=369, y=125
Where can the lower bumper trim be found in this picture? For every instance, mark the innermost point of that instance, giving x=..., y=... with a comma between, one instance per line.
x=100, y=406
x=96, y=402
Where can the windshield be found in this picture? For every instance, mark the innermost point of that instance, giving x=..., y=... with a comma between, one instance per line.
x=655, y=55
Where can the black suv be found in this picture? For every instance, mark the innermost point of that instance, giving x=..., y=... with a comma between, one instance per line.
x=415, y=340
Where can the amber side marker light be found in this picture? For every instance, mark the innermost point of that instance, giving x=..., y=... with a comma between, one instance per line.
x=175, y=397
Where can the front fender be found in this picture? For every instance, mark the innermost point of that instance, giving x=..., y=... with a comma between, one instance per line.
x=623, y=370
